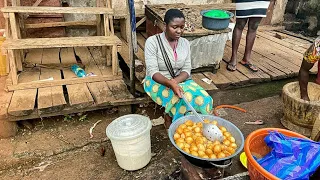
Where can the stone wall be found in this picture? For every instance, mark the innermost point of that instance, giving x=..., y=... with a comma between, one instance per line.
x=304, y=16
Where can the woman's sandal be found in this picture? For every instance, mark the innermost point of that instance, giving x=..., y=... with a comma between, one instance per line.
x=250, y=66
x=231, y=67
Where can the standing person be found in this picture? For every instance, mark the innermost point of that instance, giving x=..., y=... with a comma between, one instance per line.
x=165, y=85
x=251, y=12
x=311, y=56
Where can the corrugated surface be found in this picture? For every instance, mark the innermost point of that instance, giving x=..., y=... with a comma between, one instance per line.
x=207, y=50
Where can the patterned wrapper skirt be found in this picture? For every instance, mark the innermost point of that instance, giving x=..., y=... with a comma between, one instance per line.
x=174, y=106
x=251, y=8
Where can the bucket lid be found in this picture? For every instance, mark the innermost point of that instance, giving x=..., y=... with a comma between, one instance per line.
x=128, y=127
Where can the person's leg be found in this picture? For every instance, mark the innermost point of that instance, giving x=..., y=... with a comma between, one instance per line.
x=167, y=120
x=236, y=37
x=250, y=38
x=318, y=76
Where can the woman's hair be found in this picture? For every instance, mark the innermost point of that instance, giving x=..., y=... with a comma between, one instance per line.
x=171, y=14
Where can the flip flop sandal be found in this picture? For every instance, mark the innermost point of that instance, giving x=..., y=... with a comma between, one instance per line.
x=231, y=67
x=250, y=66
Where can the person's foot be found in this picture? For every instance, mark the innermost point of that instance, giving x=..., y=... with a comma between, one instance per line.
x=167, y=121
x=231, y=67
x=249, y=65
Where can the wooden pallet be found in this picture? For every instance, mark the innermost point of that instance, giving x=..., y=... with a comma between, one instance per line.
x=276, y=59
x=64, y=99
x=15, y=44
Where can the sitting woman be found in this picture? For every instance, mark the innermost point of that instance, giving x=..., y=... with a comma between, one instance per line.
x=168, y=71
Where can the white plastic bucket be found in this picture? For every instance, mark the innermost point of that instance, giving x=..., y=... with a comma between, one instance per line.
x=130, y=139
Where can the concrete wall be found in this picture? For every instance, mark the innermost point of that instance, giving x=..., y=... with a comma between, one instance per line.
x=118, y=4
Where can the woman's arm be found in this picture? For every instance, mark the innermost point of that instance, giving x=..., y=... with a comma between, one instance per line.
x=304, y=78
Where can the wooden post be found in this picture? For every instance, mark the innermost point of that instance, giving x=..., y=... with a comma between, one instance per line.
x=131, y=54
x=13, y=68
x=115, y=60
x=16, y=34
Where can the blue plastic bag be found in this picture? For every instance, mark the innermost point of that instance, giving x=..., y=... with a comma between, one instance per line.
x=291, y=158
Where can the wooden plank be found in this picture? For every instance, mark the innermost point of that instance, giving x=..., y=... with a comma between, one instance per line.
x=254, y=77
x=40, y=84
x=218, y=79
x=115, y=60
x=99, y=90
x=57, y=10
x=13, y=67
x=290, y=39
x=197, y=77
x=78, y=94
x=23, y=101
x=50, y=99
x=284, y=53
x=37, y=3
x=119, y=90
x=4, y=100
x=106, y=25
x=141, y=40
x=102, y=64
x=34, y=56
x=140, y=73
x=15, y=29
x=235, y=77
x=71, y=110
x=277, y=53
x=283, y=43
x=298, y=36
x=109, y=5
x=16, y=34
x=273, y=69
x=141, y=21
x=61, y=42
x=60, y=24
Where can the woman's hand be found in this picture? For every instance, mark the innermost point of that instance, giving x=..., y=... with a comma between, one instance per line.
x=176, y=88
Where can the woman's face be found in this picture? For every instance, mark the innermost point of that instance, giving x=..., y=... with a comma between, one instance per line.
x=175, y=28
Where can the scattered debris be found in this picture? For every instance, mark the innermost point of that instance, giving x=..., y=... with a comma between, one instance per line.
x=221, y=113
x=156, y=122
x=280, y=36
x=91, y=129
x=42, y=165
x=83, y=117
x=257, y=122
x=102, y=150
x=206, y=80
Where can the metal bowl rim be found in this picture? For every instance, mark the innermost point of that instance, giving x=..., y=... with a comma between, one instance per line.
x=203, y=159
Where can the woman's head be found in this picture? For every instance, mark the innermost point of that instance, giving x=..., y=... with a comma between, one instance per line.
x=175, y=21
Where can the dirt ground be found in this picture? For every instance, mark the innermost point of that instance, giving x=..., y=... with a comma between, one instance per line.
x=61, y=148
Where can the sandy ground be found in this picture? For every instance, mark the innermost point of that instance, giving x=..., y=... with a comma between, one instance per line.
x=61, y=148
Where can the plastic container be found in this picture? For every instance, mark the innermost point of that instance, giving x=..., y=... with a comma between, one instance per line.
x=130, y=139
x=78, y=70
x=209, y=163
x=300, y=115
x=215, y=23
x=3, y=64
x=255, y=145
